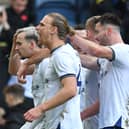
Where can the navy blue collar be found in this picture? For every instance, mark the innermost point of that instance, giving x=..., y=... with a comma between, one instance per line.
x=54, y=49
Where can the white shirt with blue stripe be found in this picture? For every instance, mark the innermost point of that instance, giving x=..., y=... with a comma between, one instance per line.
x=64, y=62
x=114, y=88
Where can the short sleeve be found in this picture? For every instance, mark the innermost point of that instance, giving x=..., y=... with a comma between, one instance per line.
x=120, y=53
x=64, y=65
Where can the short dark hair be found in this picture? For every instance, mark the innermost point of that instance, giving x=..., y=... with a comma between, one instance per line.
x=15, y=89
x=110, y=18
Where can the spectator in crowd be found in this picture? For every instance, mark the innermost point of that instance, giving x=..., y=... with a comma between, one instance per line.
x=2, y=120
x=18, y=14
x=113, y=113
x=14, y=96
x=5, y=46
x=27, y=85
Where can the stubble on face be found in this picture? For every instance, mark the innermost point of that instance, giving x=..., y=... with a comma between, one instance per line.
x=101, y=34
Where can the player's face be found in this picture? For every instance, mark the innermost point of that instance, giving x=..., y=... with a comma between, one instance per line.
x=22, y=46
x=44, y=29
x=19, y=5
x=101, y=34
x=9, y=98
x=90, y=34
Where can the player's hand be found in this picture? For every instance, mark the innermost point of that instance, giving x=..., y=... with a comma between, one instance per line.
x=21, y=74
x=33, y=114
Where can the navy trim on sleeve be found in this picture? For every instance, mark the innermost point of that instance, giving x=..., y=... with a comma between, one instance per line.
x=113, y=54
x=67, y=75
x=98, y=62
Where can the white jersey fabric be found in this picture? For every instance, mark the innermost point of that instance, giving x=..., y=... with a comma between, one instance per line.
x=38, y=92
x=64, y=62
x=114, y=88
x=83, y=90
x=92, y=95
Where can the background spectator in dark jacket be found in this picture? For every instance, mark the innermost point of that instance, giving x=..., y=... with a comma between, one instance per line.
x=19, y=15
x=5, y=46
x=14, y=96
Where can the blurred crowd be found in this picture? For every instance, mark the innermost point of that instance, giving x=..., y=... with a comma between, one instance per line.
x=16, y=14
x=22, y=13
